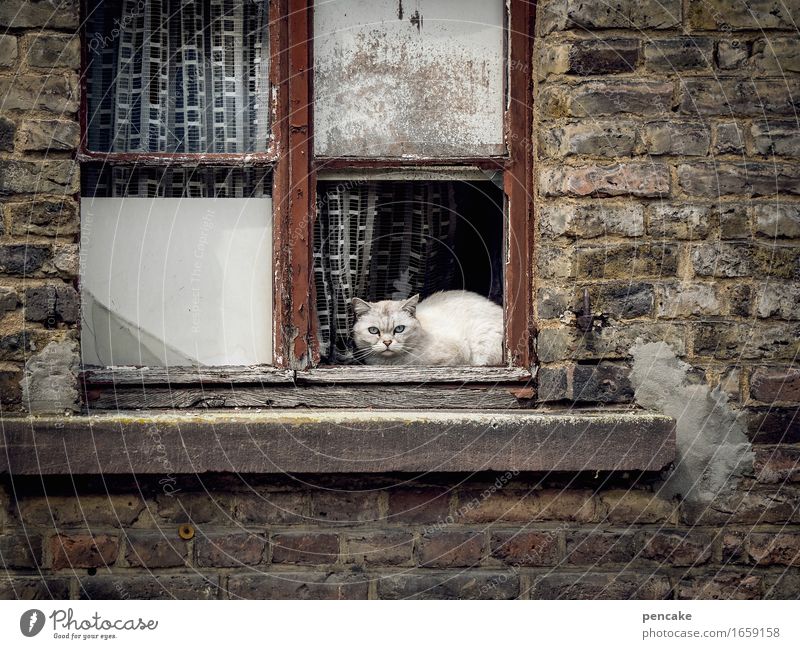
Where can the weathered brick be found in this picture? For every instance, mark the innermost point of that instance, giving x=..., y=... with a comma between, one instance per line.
x=52, y=304
x=735, y=96
x=597, y=56
x=721, y=585
x=386, y=547
x=624, y=260
x=755, y=14
x=776, y=138
x=148, y=586
x=54, y=51
x=229, y=550
x=9, y=50
x=598, y=548
x=551, y=58
x=597, y=98
x=344, y=507
x=496, y=507
x=676, y=138
x=775, y=56
x=777, y=220
x=310, y=548
x=156, y=549
x=601, y=218
x=734, y=222
x=649, y=14
x=49, y=135
x=595, y=139
x=729, y=341
x=722, y=259
x=778, y=300
x=678, y=54
x=15, y=346
x=679, y=221
x=10, y=389
x=783, y=584
x=770, y=385
x=627, y=299
x=553, y=385
x=757, y=506
x=58, y=14
x=42, y=217
x=739, y=299
x=685, y=300
x=635, y=506
x=623, y=179
x=55, y=511
x=8, y=131
x=22, y=259
x=771, y=548
x=598, y=585
x=34, y=588
x=83, y=550
x=57, y=93
x=9, y=300
x=728, y=139
x=746, y=179
x=773, y=260
x=449, y=549
x=527, y=548
x=41, y=177
x=678, y=548
x=777, y=465
x=274, y=508
x=579, y=505
x=774, y=425
x=178, y=507
x=418, y=505
x=610, y=342
x=734, y=546
x=432, y=585
x=299, y=585
x=20, y=551
x=602, y=383
x=732, y=54
x=552, y=262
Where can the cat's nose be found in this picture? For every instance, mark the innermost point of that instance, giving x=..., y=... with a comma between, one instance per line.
x=387, y=342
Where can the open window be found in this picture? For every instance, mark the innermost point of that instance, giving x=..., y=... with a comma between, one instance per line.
x=249, y=167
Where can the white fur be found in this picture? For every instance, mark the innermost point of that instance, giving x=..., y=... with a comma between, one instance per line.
x=447, y=328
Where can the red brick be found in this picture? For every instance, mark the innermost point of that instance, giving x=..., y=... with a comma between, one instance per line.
x=148, y=586
x=83, y=550
x=770, y=385
x=309, y=548
x=678, y=548
x=472, y=507
x=80, y=510
x=196, y=508
x=298, y=585
x=777, y=464
x=596, y=585
x=634, y=506
x=389, y=548
x=733, y=547
x=599, y=548
x=524, y=548
x=578, y=505
x=344, y=506
x=418, y=505
x=754, y=506
x=722, y=585
x=450, y=549
x=475, y=584
x=34, y=588
x=272, y=508
x=156, y=550
x=767, y=548
x=226, y=550
x=20, y=551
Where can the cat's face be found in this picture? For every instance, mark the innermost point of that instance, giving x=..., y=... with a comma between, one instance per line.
x=385, y=330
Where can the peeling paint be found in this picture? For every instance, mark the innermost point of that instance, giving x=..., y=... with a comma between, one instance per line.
x=713, y=449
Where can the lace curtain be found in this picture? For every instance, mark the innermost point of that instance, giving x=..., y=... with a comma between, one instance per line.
x=378, y=241
x=178, y=76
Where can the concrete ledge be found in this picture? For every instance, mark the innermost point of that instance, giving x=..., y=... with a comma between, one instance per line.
x=327, y=441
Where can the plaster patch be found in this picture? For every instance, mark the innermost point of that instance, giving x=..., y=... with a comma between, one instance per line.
x=713, y=449
x=50, y=383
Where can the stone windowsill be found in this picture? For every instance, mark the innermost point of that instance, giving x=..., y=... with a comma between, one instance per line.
x=341, y=441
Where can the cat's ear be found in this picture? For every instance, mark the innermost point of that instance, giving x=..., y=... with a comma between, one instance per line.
x=410, y=305
x=360, y=307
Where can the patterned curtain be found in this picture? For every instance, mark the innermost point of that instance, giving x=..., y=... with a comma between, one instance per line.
x=378, y=241
x=178, y=76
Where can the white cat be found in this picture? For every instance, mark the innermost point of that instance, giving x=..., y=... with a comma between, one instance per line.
x=447, y=328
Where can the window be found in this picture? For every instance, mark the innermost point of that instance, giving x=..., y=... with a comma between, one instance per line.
x=232, y=147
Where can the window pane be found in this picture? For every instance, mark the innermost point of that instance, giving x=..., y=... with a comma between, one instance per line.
x=178, y=76
x=401, y=79
x=176, y=281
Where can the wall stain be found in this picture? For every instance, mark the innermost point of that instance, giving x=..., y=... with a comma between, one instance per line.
x=416, y=20
x=400, y=10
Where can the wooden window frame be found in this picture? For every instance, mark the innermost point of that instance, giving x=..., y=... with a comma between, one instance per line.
x=294, y=172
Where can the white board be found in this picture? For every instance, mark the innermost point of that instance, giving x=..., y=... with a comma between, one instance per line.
x=176, y=281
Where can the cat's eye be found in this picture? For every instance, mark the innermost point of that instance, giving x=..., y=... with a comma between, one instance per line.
x=373, y=330
x=399, y=329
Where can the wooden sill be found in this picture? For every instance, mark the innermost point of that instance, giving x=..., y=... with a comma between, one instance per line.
x=340, y=441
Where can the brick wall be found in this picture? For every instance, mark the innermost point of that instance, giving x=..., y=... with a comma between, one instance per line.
x=668, y=184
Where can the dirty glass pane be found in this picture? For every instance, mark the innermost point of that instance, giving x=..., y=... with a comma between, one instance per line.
x=423, y=78
x=178, y=76
x=176, y=281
